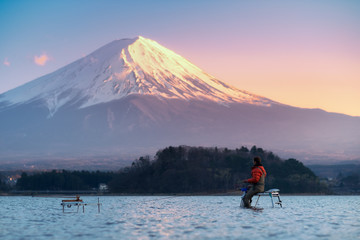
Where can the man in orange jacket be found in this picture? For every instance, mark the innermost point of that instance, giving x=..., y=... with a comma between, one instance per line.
x=258, y=174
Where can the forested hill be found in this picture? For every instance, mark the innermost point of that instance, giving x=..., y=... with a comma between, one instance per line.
x=186, y=169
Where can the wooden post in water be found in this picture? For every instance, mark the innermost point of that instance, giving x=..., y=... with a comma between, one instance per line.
x=98, y=205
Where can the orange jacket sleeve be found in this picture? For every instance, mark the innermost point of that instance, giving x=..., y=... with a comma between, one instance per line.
x=256, y=174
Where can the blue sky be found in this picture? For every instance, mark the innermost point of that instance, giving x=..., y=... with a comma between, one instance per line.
x=302, y=53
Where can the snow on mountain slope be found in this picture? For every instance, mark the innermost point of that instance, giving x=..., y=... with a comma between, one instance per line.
x=124, y=67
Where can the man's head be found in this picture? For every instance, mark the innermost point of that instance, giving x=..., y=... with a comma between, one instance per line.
x=257, y=161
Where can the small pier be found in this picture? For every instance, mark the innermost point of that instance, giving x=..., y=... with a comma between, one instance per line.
x=272, y=193
x=76, y=203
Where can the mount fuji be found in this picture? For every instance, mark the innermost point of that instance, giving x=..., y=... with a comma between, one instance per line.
x=134, y=96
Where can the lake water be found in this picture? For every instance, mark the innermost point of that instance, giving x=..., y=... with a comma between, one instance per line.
x=184, y=217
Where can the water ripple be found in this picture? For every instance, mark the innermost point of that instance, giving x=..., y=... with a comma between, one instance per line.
x=215, y=217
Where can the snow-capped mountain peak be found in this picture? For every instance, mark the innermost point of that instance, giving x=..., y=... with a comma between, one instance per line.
x=134, y=96
x=124, y=67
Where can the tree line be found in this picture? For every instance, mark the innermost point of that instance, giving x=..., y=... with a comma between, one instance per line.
x=184, y=169
x=59, y=180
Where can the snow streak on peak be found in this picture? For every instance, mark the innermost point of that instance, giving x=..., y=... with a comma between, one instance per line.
x=124, y=67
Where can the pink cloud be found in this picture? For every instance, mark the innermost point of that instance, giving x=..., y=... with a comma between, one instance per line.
x=42, y=59
x=6, y=62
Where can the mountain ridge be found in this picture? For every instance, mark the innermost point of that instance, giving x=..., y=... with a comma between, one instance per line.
x=123, y=67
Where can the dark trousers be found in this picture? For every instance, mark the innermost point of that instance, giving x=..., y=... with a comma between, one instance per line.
x=248, y=196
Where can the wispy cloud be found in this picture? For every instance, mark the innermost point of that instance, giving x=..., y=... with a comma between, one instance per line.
x=42, y=59
x=6, y=62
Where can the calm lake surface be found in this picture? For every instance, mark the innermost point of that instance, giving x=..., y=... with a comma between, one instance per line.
x=181, y=217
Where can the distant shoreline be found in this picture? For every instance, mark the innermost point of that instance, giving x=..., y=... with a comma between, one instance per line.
x=88, y=193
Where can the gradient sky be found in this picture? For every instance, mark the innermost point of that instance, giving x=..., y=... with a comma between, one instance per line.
x=301, y=53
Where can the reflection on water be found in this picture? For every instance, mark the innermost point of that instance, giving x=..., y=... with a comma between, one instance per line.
x=185, y=217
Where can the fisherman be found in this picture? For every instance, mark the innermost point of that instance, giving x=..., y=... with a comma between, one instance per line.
x=77, y=199
x=257, y=181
